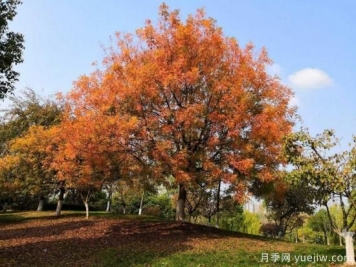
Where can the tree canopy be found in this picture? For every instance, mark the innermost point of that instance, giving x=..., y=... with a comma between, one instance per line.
x=11, y=47
x=184, y=101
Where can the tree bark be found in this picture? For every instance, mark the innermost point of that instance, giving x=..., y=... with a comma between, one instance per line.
x=141, y=204
x=60, y=201
x=108, y=205
x=330, y=219
x=108, y=197
x=41, y=203
x=349, y=246
x=59, y=207
x=86, y=203
x=340, y=241
x=124, y=208
x=217, y=223
x=326, y=237
x=4, y=207
x=182, y=197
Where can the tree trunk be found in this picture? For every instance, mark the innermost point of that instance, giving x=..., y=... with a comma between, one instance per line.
x=124, y=208
x=182, y=197
x=340, y=241
x=60, y=201
x=41, y=203
x=86, y=204
x=108, y=203
x=326, y=239
x=59, y=207
x=296, y=235
x=190, y=217
x=217, y=223
x=141, y=204
x=330, y=219
x=4, y=207
x=349, y=246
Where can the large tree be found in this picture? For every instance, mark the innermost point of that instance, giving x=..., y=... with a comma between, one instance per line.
x=11, y=47
x=194, y=104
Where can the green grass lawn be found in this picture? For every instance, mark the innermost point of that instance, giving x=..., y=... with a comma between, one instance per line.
x=106, y=239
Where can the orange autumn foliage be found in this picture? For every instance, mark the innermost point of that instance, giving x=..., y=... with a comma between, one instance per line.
x=91, y=147
x=183, y=99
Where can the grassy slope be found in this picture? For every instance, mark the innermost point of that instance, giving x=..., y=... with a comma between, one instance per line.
x=39, y=239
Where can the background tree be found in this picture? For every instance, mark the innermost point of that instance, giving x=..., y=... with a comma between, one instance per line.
x=331, y=174
x=11, y=47
x=207, y=207
x=196, y=194
x=91, y=149
x=320, y=222
x=25, y=110
x=287, y=202
x=232, y=216
x=271, y=230
x=337, y=218
x=252, y=223
x=28, y=172
x=25, y=132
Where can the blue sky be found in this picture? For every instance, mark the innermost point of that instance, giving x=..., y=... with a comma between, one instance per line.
x=312, y=44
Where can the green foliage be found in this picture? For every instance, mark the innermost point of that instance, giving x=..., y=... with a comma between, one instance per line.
x=11, y=47
x=25, y=111
x=98, y=200
x=251, y=222
x=311, y=236
x=287, y=203
x=321, y=226
x=319, y=222
x=159, y=205
x=330, y=175
x=233, y=219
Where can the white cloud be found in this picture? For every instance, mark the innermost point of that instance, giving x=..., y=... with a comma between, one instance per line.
x=309, y=78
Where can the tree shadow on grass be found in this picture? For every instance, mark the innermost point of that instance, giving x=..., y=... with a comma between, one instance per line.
x=53, y=229
x=12, y=217
x=102, y=242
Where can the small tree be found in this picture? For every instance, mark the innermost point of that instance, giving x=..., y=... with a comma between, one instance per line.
x=252, y=223
x=286, y=203
x=320, y=222
x=26, y=132
x=196, y=194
